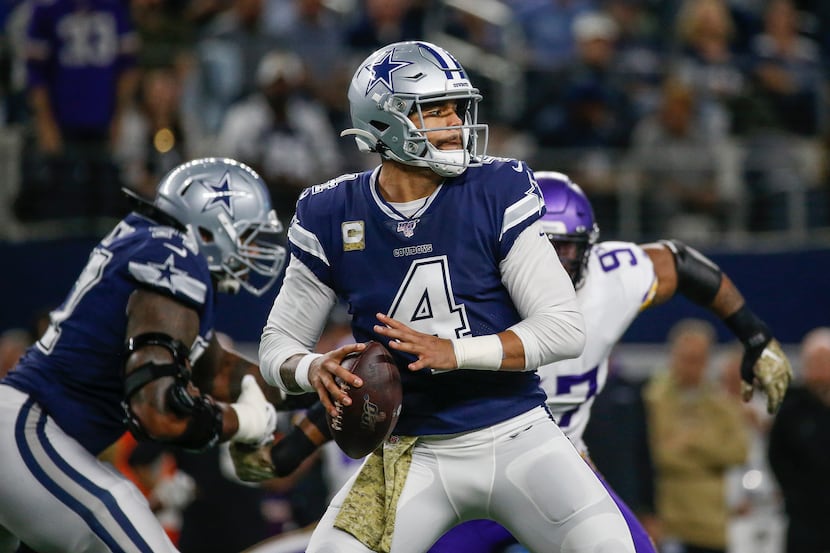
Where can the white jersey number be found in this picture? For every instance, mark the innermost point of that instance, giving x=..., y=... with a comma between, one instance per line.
x=89, y=39
x=425, y=301
x=92, y=273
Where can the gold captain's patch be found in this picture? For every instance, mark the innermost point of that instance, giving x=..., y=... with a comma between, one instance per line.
x=354, y=236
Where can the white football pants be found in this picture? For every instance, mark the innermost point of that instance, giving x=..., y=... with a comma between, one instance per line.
x=523, y=473
x=58, y=497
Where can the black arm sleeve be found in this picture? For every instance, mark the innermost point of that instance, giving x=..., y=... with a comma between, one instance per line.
x=698, y=278
x=288, y=453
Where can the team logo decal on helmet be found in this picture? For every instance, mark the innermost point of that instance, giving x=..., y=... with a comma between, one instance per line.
x=221, y=194
x=382, y=71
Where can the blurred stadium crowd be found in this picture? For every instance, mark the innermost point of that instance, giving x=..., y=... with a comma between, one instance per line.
x=703, y=119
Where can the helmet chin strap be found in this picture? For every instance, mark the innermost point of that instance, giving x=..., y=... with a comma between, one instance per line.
x=456, y=162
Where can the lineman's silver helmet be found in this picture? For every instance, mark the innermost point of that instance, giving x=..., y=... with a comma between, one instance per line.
x=226, y=209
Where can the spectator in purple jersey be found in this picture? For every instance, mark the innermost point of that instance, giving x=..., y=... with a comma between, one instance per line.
x=133, y=348
x=439, y=255
x=81, y=74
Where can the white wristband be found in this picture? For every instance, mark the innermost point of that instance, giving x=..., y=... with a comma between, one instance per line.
x=481, y=352
x=301, y=372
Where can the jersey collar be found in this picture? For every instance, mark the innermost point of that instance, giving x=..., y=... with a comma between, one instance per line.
x=388, y=208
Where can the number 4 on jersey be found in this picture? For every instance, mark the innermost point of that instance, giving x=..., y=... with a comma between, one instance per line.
x=425, y=301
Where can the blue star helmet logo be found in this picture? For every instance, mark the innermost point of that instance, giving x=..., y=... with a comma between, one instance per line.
x=221, y=194
x=382, y=71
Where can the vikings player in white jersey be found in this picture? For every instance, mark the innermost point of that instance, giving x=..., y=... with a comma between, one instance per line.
x=614, y=282
x=124, y=351
x=617, y=280
x=439, y=254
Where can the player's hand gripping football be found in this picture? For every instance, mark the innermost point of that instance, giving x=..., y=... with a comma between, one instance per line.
x=766, y=367
x=327, y=375
x=252, y=462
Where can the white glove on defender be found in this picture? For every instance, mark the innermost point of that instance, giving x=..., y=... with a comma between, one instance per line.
x=257, y=417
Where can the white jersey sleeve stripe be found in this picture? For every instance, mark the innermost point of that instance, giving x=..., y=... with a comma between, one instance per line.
x=176, y=281
x=526, y=207
x=307, y=242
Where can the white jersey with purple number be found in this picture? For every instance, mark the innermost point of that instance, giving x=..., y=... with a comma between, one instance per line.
x=620, y=281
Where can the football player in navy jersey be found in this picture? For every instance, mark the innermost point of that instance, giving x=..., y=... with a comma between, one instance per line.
x=614, y=282
x=119, y=354
x=440, y=255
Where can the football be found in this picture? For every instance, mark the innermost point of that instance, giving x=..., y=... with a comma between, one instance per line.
x=361, y=427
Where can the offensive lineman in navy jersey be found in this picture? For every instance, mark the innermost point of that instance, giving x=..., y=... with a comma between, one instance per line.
x=439, y=254
x=119, y=353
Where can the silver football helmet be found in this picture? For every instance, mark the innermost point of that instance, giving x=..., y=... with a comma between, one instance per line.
x=394, y=83
x=226, y=209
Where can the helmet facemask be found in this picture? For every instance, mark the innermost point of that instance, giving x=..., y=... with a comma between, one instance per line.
x=447, y=163
x=574, y=251
x=256, y=258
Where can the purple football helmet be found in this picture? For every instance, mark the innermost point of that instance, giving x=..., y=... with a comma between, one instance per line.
x=569, y=222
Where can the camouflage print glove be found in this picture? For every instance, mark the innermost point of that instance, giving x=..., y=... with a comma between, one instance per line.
x=771, y=373
x=252, y=463
x=764, y=365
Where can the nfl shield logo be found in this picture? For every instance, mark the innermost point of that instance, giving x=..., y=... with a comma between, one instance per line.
x=408, y=227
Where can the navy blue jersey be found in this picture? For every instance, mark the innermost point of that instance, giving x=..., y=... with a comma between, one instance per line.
x=436, y=271
x=75, y=371
x=78, y=50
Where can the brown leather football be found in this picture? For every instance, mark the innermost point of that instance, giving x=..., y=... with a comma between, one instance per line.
x=362, y=426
